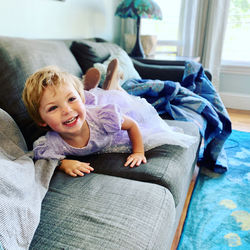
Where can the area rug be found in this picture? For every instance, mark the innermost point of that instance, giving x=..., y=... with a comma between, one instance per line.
x=219, y=211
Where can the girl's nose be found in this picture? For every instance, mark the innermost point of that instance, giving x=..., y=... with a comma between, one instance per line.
x=66, y=109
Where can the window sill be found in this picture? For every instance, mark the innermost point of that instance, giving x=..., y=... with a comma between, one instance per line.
x=233, y=67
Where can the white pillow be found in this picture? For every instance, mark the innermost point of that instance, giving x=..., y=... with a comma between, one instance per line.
x=125, y=64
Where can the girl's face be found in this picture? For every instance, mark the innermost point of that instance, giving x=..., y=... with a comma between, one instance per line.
x=63, y=110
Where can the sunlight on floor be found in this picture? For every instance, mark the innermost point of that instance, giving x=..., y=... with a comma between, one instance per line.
x=240, y=119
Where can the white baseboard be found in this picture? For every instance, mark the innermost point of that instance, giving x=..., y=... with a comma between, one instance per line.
x=235, y=101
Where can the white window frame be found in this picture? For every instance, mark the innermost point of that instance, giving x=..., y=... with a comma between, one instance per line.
x=230, y=67
x=235, y=67
x=178, y=43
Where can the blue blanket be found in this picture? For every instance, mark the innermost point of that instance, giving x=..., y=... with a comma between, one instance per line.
x=194, y=99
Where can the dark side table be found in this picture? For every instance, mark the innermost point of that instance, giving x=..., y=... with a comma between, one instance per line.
x=163, y=59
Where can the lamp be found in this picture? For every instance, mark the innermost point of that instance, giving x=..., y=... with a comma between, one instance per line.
x=138, y=9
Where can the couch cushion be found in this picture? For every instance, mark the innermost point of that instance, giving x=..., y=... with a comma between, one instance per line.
x=99, y=54
x=167, y=165
x=19, y=59
x=126, y=65
x=88, y=52
x=104, y=212
x=11, y=137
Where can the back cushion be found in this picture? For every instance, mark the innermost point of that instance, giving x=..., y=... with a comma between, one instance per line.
x=19, y=59
x=89, y=52
x=11, y=136
x=99, y=53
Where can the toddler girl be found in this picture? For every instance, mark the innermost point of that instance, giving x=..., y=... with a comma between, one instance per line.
x=56, y=99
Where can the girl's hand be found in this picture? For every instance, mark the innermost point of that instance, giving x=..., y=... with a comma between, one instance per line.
x=135, y=159
x=135, y=136
x=75, y=168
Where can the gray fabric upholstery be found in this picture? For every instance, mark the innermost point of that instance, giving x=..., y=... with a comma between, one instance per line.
x=167, y=165
x=11, y=135
x=19, y=59
x=104, y=212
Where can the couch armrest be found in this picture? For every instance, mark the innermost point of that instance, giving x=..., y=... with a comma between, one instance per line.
x=162, y=72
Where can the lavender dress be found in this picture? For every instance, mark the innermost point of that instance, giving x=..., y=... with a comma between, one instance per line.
x=105, y=110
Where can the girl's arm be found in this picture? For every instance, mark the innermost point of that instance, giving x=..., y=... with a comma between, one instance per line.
x=137, y=157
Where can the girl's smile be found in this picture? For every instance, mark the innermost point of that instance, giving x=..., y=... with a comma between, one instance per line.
x=71, y=122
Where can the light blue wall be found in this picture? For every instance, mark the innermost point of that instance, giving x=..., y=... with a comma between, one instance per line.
x=236, y=83
x=235, y=87
x=56, y=19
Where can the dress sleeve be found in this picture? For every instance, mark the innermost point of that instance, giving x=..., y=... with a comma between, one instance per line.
x=44, y=148
x=111, y=118
x=90, y=99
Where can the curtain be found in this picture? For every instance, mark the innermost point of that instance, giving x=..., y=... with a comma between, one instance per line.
x=203, y=29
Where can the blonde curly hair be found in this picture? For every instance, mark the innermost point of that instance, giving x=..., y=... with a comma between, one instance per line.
x=37, y=83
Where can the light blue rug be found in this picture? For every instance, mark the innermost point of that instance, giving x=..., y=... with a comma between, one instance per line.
x=219, y=211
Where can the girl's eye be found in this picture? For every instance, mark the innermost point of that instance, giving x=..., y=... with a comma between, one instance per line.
x=52, y=108
x=71, y=99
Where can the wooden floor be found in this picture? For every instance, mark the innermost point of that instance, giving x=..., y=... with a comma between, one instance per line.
x=240, y=121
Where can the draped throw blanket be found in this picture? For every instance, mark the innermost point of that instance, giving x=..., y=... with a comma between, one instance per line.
x=194, y=99
x=23, y=186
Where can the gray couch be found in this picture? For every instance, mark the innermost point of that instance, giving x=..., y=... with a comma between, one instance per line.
x=113, y=207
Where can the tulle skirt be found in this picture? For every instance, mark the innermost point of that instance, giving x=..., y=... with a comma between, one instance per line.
x=155, y=131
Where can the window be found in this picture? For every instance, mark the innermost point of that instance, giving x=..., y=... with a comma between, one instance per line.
x=166, y=30
x=236, y=47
